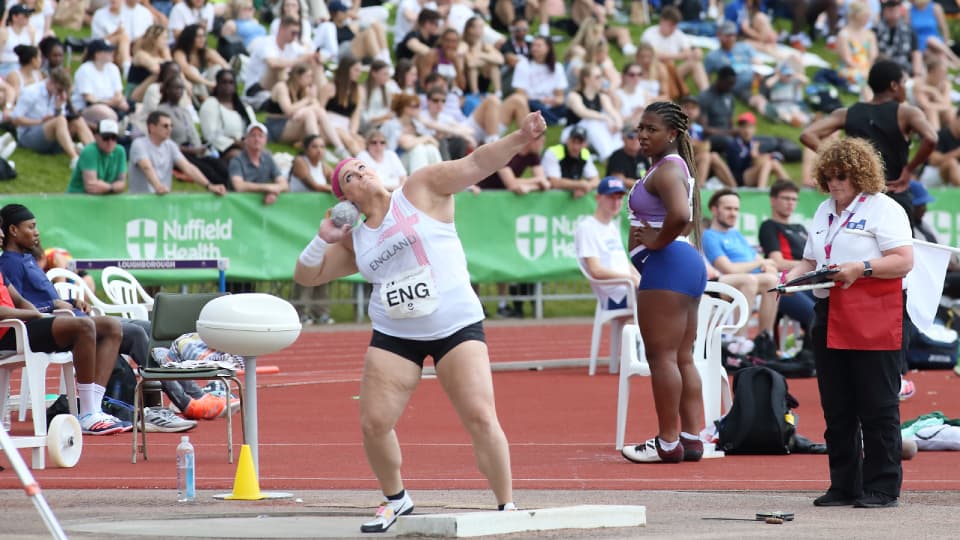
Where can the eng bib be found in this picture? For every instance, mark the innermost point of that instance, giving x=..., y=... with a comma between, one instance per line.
x=410, y=295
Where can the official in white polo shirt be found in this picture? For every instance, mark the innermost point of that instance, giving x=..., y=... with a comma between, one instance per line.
x=859, y=324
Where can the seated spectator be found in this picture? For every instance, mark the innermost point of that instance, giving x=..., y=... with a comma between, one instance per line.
x=758, y=31
x=151, y=52
x=541, y=81
x=342, y=100
x=245, y=24
x=17, y=32
x=716, y=106
x=60, y=258
x=599, y=245
x=183, y=133
x=784, y=92
x=309, y=171
x=406, y=76
x=150, y=97
x=740, y=56
x=445, y=59
x=631, y=98
x=188, y=12
x=584, y=11
x=456, y=139
x=224, y=117
x=28, y=73
x=379, y=90
x=946, y=157
x=102, y=167
x=929, y=23
x=516, y=46
x=482, y=60
x=422, y=38
x=589, y=46
x=294, y=9
x=708, y=161
x=896, y=40
x=52, y=54
x=569, y=166
x=654, y=76
x=593, y=111
x=152, y=159
x=198, y=62
x=751, y=167
x=932, y=93
x=294, y=112
x=514, y=176
x=674, y=48
x=857, y=48
x=253, y=169
x=459, y=12
x=135, y=19
x=271, y=57
x=107, y=24
x=408, y=136
x=98, y=87
x=628, y=163
x=384, y=161
x=508, y=12
x=487, y=121
x=43, y=119
x=42, y=17
x=365, y=42
x=727, y=250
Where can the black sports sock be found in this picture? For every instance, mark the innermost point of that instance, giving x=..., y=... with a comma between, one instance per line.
x=398, y=496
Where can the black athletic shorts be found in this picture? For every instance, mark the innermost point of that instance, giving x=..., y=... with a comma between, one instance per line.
x=417, y=351
x=39, y=333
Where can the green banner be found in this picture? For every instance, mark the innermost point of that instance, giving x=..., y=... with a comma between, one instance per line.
x=506, y=237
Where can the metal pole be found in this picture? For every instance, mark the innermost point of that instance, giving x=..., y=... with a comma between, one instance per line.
x=250, y=418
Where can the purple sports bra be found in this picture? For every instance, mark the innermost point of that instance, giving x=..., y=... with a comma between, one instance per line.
x=648, y=207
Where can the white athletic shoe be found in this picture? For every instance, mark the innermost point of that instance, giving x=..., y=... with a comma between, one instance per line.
x=387, y=514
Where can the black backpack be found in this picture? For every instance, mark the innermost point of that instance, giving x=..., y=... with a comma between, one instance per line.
x=758, y=420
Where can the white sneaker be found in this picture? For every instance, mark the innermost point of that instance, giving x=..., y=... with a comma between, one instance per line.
x=629, y=49
x=6, y=139
x=73, y=162
x=387, y=514
x=101, y=423
x=8, y=150
x=162, y=420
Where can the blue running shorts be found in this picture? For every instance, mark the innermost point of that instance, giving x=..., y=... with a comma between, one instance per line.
x=678, y=267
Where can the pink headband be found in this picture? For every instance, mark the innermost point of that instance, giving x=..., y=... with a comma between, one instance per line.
x=335, y=181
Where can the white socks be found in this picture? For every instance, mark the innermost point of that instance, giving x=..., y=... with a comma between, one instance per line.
x=668, y=446
x=91, y=397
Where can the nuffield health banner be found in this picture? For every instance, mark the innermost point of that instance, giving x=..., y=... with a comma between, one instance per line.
x=506, y=237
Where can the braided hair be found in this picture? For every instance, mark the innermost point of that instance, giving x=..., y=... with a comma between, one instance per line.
x=674, y=117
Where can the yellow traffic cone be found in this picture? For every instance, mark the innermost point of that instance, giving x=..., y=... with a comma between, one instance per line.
x=246, y=486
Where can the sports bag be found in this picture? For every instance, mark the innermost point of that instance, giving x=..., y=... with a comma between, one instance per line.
x=760, y=421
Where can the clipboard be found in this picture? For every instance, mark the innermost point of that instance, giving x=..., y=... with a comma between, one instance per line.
x=816, y=279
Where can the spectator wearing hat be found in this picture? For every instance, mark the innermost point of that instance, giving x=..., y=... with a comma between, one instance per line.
x=153, y=157
x=923, y=230
x=98, y=86
x=102, y=167
x=599, y=244
x=253, y=169
x=17, y=32
x=674, y=47
x=749, y=166
x=740, y=56
x=569, y=165
x=784, y=92
x=628, y=163
x=946, y=157
x=43, y=119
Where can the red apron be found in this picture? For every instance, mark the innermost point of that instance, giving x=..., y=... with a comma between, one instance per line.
x=868, y=316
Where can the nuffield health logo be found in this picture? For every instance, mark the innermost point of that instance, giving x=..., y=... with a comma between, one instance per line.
x=142, y=239
x=531, y=238
x=175, y=239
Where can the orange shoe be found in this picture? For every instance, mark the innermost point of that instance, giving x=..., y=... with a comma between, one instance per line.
x=208, y=407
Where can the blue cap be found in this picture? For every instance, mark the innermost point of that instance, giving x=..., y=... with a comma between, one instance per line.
x=611, y=185
x=337, y=5
x=920, y=194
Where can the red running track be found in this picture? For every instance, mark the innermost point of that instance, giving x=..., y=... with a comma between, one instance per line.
x=560, y=423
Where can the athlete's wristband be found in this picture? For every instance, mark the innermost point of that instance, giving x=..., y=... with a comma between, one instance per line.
x=312, y=255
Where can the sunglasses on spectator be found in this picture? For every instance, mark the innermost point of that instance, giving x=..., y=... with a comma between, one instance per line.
x=634, y=74
x=437, y=100
x=377, y=142
x=109, y=137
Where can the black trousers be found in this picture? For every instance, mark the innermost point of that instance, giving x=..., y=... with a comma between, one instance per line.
x=859, y=393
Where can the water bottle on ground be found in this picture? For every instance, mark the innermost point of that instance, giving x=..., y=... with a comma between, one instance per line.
x=186, y=478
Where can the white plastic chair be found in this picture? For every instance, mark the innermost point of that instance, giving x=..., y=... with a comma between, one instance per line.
x=617, y=318
x=72, y=286
x=122, y=288
x=33, y=387
x=712, y=320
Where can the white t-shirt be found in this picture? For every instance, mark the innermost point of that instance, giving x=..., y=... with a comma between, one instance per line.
x=401, y=25
x=136, y=20
x=306, y=33
x=104, y=22
x=594, y=239
x=876, y=214
x=266, y=47
x=631, y=101
x=671, y=45
x=390, y=170
x=183, y=15
x=537, y=80
x=102, y=84
x=39, y=19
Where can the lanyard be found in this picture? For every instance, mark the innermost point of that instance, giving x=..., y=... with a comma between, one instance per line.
x=832, y=234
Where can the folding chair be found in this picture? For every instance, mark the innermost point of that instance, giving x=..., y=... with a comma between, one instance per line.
x=617, y=318
x=173, y=316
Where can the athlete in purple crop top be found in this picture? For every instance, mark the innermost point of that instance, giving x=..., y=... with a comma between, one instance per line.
x=664, y=207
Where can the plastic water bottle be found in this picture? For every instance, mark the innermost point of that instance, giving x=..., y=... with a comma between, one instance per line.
x=186, y=477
